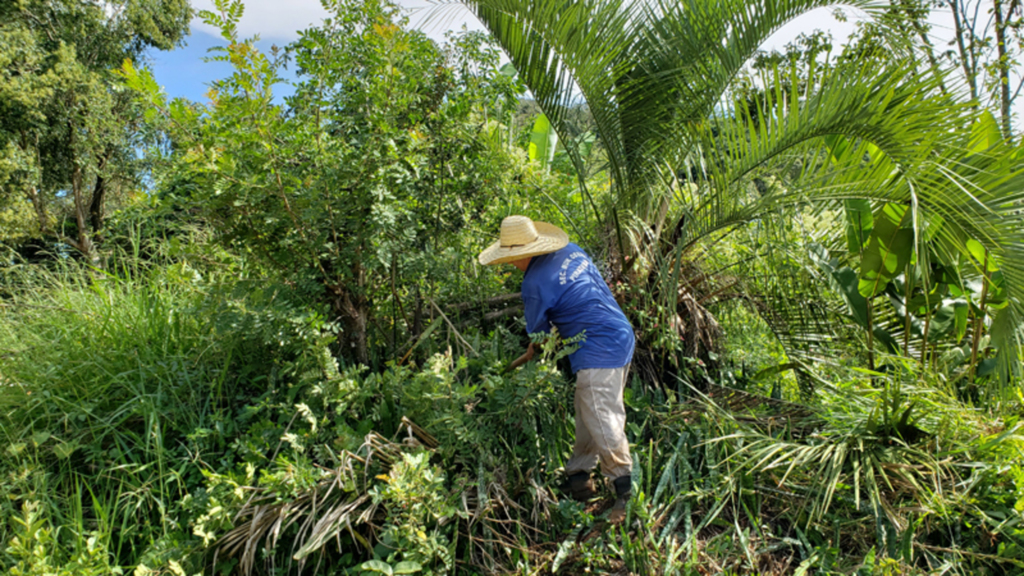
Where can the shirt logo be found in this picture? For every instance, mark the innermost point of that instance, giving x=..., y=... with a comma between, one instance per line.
x=575, y=273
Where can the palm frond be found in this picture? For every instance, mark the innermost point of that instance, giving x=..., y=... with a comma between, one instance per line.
x=657, y=75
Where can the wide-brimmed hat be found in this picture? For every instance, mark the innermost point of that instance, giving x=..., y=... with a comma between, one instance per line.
x=522, y=238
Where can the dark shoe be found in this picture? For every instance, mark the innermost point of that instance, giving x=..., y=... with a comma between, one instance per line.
x=623, y=492
x=581, y=487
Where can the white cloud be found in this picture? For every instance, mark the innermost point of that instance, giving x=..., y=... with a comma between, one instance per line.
x=817, y=19
x=271, y=19
x=281, y=20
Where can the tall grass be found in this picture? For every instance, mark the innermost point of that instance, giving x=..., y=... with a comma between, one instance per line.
x=105, y=381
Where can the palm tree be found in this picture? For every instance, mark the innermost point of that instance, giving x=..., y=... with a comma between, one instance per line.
x=689, y=161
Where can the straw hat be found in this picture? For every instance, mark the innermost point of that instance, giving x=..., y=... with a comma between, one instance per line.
x=522, y=238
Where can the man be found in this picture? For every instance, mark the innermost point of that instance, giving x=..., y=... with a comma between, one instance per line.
x=562, y=287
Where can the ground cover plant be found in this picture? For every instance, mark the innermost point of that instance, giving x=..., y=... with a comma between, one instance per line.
x=282, y=358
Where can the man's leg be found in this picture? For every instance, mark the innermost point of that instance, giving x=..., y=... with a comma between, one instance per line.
x=600, y=407
x=584, y=456
x=604, y=413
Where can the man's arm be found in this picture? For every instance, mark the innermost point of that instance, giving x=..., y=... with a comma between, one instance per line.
x=522, y=359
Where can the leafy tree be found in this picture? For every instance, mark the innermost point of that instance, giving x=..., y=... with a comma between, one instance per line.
x=985, y=42
x=989, y=41
x=389, y=145
x=66, y=129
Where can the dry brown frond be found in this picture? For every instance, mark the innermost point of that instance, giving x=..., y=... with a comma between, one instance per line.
x=339, y=503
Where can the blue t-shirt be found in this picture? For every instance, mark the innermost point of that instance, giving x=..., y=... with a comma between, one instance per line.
x=564, y=288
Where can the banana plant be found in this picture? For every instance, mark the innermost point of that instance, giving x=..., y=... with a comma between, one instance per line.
x=543, y=142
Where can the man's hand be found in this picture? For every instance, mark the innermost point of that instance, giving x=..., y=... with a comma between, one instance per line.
x=521, y=360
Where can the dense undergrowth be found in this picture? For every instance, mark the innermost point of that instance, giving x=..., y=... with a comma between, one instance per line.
x=153, y=422
x=283, y=356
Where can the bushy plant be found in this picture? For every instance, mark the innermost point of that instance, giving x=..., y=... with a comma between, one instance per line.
x=468, y=449
x=375, y=172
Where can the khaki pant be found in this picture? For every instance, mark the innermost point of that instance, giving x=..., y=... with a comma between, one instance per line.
x=601, y=423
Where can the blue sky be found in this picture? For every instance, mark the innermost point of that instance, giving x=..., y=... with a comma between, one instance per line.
x=182, y=72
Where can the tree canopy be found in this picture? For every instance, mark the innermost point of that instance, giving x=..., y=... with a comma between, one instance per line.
x=68, y=132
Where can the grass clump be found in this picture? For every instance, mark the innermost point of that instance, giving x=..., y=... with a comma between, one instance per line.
x=116, y=391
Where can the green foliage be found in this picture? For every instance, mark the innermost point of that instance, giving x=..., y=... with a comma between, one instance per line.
x=68, y=133
x=259, y=427
x=35, y=550
x=414, y=498
x=698, y=151
x=496, y=440
x=118, y=391
x=346, y=189
x=288, y=363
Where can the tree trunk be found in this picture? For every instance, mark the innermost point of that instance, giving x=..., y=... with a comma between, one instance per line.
x=1003, y=66
x=40, y=209
x=352, y=305
x=99, y=193
x=966, y=59
x=84, y=243
x=33, y=191
x=354, y=313
x=912, y=12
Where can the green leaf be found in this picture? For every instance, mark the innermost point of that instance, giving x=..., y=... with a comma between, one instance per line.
x=407, y=567
x=838, y=146
x=66, y=449
x=543, y=141
x=859, y=224
x=883, y=336
x=889, y=249
x=985, y=133
x=996, y=297
x=950, y=318
x=960, y=311
x=987, y=367
x=933, y=224
x=377, y=566
x=976, y=250
x=856, y=303
x=585, y=143
x=979, y=253
x=508, y=70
